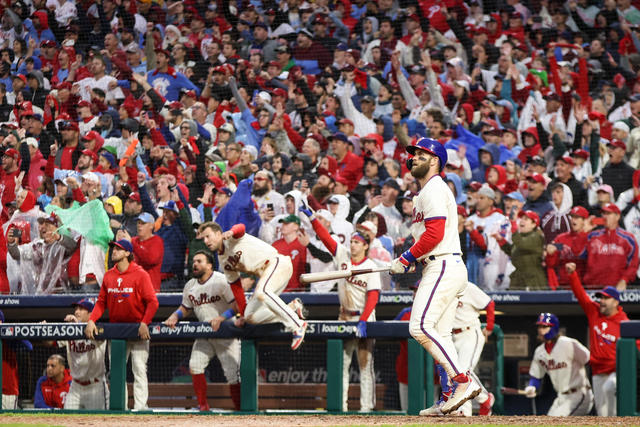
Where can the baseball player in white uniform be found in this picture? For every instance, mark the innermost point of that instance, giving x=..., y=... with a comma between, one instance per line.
x=89, y=389
x=444, y=276
x=469, y=338
x=563, y=358
x=239, y=252
x=358, y=297
x=209, y=296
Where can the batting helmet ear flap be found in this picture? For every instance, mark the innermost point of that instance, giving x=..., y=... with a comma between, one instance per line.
x=409, y=163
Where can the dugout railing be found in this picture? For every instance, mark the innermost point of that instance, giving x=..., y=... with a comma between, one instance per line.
x=627, y=356
x=420, y=363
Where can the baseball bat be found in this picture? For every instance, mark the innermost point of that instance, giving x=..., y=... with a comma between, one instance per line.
x=340, y=274
x=513, y=391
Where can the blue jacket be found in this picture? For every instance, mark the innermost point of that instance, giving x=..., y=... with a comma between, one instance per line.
x=169, y=84
x=240, y=209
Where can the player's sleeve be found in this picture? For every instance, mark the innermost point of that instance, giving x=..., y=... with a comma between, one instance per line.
x=478, y=298
x=374, y=283
x=324, y=236
x=185, y=297
x=435, y=217
x=584, y=300
x=342, y=257
x=536, y=370
x=580, y=353
x=38, y=398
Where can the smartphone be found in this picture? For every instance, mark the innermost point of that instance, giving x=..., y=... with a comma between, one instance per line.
x=16, y=233
x=270, y=206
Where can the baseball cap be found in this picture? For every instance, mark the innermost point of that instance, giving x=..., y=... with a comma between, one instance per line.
x=12, y=153
x=90, y=176
x=325, y=214
x=616, y=143
x=609, y=292
x=31, y=141
x=487, y=191
x=123, y=244
x=289, y=219
x=536, y=177
x=84, y=303
x=345, y=121
x=340, y=136
x=135, y=196
x=224, y=190
x=612, y=208
x=579, y=211
x=91, y=135
x=146, y=217
x=531, y=215
x=51, y=219
x=515, y=195
x=568, y=160
x=620, y=125
x=334, y=200
x=606, y=188
x=368, y=226
x=84, y=103
x=390, y=182
x=580, y=153
x=169, y=205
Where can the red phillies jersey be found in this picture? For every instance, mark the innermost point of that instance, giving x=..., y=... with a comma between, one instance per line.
x=612, y=255
x=129, y=296
x=351, y=169
x=54, y=394
x=9, y=370
x=298, y=254
x=572, y=247
x=603, y=331
x=149, y=255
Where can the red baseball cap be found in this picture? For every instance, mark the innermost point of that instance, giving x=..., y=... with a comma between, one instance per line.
x=135, y=196
x=568, y=160
x=279, y=92
x=536, y=177
x=610, y=207
x=12, y=153
x=579, y=211
x=84, y=103
x=345, y=121
x=91, y=135
x=616, y=143
x=581, y=153
x=94, y=156
x=531, y=215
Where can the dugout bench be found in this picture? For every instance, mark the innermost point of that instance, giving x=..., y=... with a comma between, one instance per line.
x=421, y=385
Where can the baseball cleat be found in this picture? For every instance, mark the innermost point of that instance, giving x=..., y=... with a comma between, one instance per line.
x=461, y=393
x=435, y=410
x=299, y=308
x=298, y=336
x=485, y=408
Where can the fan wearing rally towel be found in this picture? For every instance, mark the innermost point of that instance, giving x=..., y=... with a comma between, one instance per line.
x=358, y=298
x=210, y=298
x=239, y=252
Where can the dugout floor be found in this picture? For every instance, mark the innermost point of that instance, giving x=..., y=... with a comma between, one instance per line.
x=302, y=420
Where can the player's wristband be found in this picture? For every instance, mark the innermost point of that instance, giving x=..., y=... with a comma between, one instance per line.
x=229, y=314
x=408, y=256
x=179, y=314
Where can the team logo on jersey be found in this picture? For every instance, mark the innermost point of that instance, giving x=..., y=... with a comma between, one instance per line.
x=602, y=335
x=357, y=282
x=417, y=216
x=81, y=346
x=233, y=261
x=119, y=281
x=204, y=299
x=552, y=365
x=294, y=254
x=343, y=266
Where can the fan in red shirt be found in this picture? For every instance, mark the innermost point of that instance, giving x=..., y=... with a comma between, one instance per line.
x=292, y=245
x=129, y=296
x=148, y=248
x=568, y=247
x=349, y=164
x=604, y=318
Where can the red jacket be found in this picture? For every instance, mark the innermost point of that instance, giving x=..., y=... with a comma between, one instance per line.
x=50, y=394
x=603, y=331
x=298, y=254
x=572, y=247
x=128, y=296
x=351, y=169
x=149, y=255
x=612, y=255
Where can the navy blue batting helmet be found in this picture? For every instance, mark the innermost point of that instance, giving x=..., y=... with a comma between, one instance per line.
x=549, y=319
x=431, y=146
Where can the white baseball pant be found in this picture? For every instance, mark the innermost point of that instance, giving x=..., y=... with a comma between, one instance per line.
x=403, y=392
x=469, y=344
x=9, y=401
x=139, y=352
x=91, y=396
x=364, y=349
x=577, y=403
x=434, y=308
x=228, y=352
x=604, y=391
x=265, y=306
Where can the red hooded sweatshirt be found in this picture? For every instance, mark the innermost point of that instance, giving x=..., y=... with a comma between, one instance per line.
x=129, y=296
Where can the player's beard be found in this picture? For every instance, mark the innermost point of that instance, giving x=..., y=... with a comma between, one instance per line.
x=198, y=273
x=420, y=171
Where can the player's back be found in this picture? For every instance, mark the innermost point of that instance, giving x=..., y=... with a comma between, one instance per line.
x=436, y=201
x=246, y=254
x=469, y=305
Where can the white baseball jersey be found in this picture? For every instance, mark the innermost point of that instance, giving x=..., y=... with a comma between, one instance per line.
x=494, y=270
x=210, y=299
x=247, y=254
x=435, y=201
x=564, y=364
x=274, y=198
x=86, y=358
x=469, y=305
x=352, y=291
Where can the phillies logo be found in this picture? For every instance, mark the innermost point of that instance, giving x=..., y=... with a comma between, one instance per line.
x=357, y=282
x=82, y=346
x=233, y=261
x=119, y=281
x=417, y=216
x=553, y=365
x=204, y=299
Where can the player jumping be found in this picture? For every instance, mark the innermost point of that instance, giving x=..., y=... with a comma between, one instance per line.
x=358, y=297
x=242, y=253
x=444, y=276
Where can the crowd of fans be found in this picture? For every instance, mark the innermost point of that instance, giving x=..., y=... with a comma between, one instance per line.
x=139, y=120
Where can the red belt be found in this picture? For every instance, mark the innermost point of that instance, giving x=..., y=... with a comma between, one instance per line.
x=95, y=380
x=458, y=330
x=573, y=390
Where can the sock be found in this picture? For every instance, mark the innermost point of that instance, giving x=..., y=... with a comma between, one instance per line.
x=200, y=387
x=235, y=395
x=460, y=378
